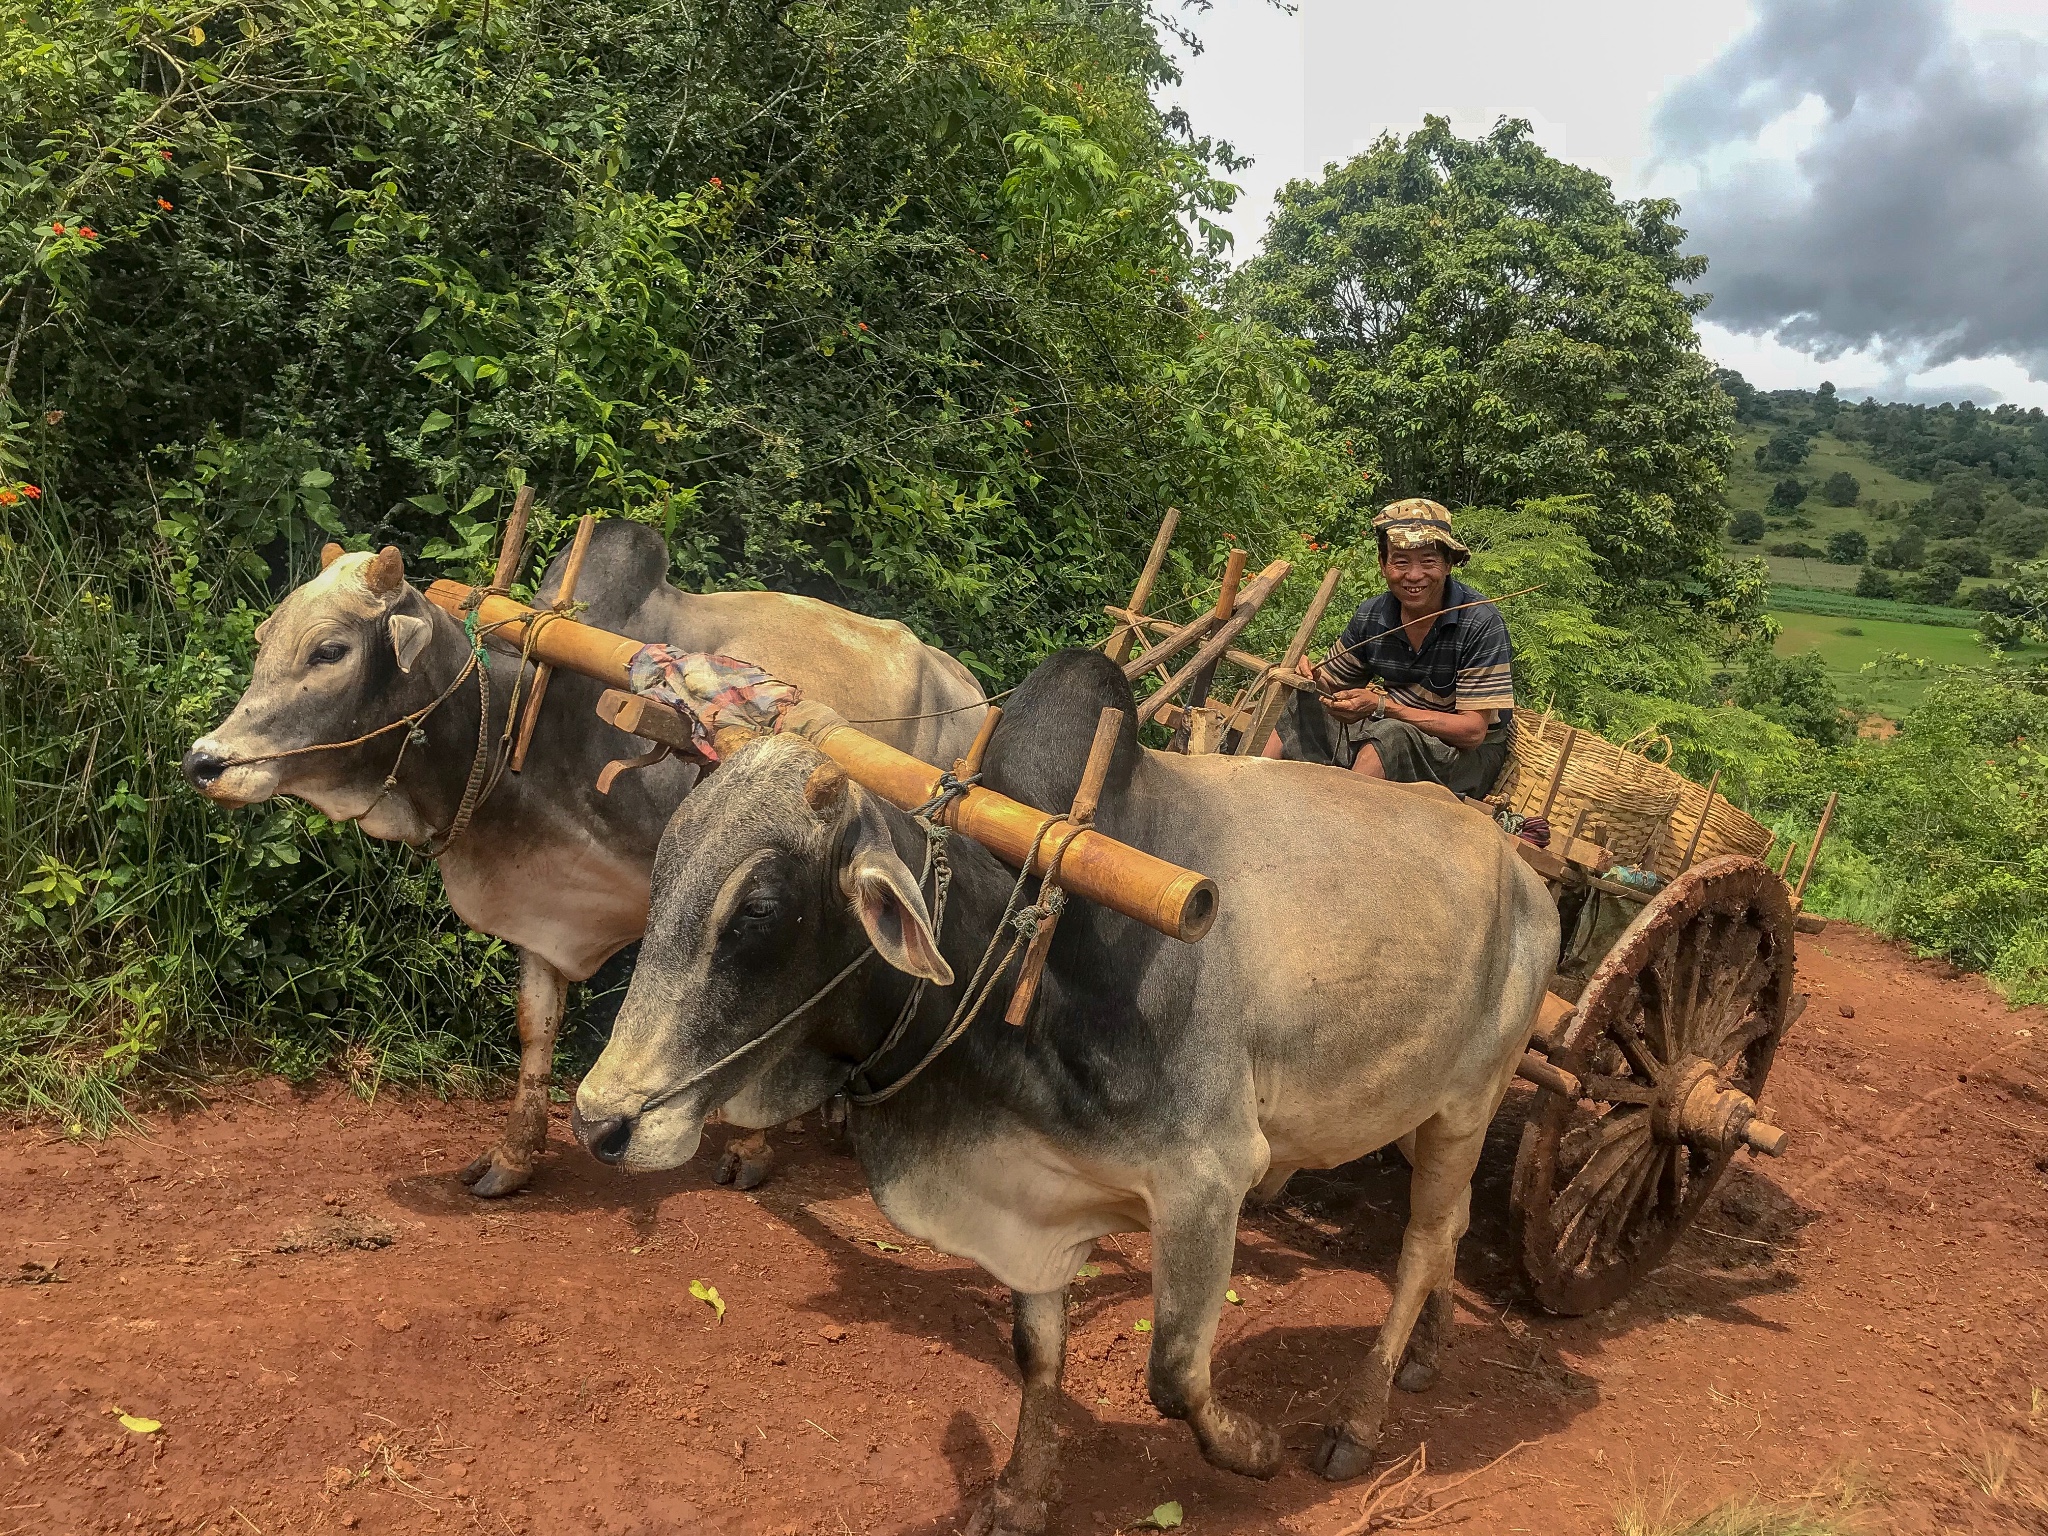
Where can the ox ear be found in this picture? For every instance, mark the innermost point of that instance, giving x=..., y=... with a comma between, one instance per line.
x=409, y=637
x=329, y=553
x=385, y=573
x=885, y=894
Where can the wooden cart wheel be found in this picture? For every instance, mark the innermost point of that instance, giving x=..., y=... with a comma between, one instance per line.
x=1672, y=1040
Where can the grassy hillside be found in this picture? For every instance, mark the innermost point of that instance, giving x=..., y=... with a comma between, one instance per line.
x=1749, y=490
x=1848, y=645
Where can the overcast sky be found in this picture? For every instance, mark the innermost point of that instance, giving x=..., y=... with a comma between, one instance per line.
x=1869, y=178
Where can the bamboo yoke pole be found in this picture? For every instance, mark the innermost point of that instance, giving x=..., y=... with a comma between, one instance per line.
x=1081, y=814
x=1178, y=902
x=571, y=574
x=1118, y=647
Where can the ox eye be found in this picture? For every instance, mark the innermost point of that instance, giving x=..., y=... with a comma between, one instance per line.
x=758, y=909
x=327, y=653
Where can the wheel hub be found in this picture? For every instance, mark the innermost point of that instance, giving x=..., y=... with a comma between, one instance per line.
x=1694, y=1106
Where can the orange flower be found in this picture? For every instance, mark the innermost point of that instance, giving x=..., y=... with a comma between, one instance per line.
x=165, y=153
x=163, y=205
x=715, y=182
x=56, y=228
x=863, y=324
x=32, y=492
x=8, y=498
x=88, y=231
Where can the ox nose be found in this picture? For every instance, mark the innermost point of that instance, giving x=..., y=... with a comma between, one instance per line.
x=203, y=767
x=605, y=1139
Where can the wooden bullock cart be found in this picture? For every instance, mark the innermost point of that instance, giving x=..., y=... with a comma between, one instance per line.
x=1652, y=1049
x=1674, y=984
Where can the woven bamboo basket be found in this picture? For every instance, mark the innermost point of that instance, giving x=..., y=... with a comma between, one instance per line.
x=1627, y=799
x=1727, y=830
x=1641, y=811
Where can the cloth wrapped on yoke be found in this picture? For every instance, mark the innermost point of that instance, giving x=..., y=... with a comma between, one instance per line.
x=711, y=691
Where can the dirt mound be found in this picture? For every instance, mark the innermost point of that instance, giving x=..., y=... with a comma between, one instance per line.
x=331, y=1335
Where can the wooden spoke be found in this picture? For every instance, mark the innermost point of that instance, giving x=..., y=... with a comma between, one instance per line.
x=1704, y=975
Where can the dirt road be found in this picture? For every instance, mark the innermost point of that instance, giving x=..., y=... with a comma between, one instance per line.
x=334, y=1336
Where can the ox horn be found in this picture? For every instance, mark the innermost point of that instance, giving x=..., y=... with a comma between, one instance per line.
x=386, y=573
x=825, y=788
x=329, y=553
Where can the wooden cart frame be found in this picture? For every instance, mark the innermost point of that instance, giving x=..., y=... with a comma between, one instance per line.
x=1652, y=1050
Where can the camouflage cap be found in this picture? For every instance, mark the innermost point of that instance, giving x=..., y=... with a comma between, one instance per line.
x=1417, y=523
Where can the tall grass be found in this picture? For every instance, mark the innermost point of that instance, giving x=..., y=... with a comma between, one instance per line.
x=147, y=937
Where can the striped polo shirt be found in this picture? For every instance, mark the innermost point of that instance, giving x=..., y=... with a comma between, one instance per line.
x=1466, y=661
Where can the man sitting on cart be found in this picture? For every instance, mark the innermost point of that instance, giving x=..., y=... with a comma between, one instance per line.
x=1421, y=685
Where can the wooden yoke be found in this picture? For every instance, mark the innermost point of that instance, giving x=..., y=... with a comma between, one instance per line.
x=1080, y=815
x=1179, y=903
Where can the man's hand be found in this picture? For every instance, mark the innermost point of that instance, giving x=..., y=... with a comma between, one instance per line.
x=1355, y=704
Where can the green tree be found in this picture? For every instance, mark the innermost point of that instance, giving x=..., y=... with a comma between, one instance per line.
x=1841, y=489
x=1495, y=325
x=1746, y=527
x=1904, y=553
x=1849, y=547
x=1874, y=581
x=1935, y=582
x=1795, y=692
x=1787, y=448
x=1788, y=493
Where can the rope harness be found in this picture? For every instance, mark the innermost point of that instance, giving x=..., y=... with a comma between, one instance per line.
x=487, y=766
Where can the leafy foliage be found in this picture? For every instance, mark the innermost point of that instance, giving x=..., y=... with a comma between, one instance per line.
x=1495, y=326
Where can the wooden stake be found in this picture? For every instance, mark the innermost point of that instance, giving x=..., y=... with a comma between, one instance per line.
x=571, y=573
x=512, y=549
x=1205, y=677
x=1118, y=646
x=1107, y=725
x=1700, y=826
x=1564, y=755
x=1791, y=847
x=1247, y=609
x=1278, y=691
x=1827, y=815
x=970, y=765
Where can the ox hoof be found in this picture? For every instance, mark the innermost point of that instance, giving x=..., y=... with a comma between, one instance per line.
x=1339, y=1456
x=1414, y=1376
x=494, y=1174
x=1235, y=1441
x=1004, y=1513
x=742, y=1170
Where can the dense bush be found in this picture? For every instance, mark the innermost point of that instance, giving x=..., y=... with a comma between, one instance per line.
x=1746, y=527
x=1841, y=489
x=1849, y=547
x=894, y=304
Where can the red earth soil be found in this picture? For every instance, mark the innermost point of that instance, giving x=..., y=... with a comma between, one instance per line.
x=334, y=1336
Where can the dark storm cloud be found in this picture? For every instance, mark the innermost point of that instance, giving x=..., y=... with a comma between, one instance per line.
x=1914, y=220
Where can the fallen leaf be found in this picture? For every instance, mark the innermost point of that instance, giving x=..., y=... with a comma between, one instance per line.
x=885, y=1247
x=709, y=1293
x=1233, y=1298
x=831, y=1333
x=1143, y=1325
x=139, y=1425
x=1165, y=1517
x=1087, y=1271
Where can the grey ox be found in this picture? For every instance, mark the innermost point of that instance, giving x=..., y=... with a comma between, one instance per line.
x=1372, y=976
x=548, y=864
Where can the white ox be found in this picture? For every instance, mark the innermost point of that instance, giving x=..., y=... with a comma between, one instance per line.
x=547, y=864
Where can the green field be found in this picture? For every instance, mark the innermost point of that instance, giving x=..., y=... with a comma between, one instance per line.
x=1846, y=654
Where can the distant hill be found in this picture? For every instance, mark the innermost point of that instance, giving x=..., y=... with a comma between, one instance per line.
x=1945, y=499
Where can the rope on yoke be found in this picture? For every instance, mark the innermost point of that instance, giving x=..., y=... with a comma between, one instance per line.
x=1023, y=923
